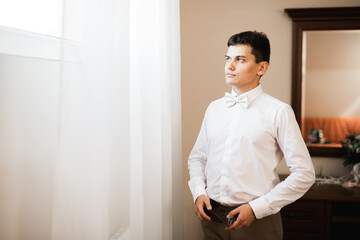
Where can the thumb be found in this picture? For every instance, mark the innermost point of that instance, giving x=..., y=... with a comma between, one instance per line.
x=231, y=214
x=208, y=205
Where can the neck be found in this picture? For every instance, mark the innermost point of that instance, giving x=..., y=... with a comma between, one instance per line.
x=240, y=91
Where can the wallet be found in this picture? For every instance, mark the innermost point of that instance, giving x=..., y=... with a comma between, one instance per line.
x=214, y=217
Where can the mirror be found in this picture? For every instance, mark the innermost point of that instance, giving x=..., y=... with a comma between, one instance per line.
x=322, y=54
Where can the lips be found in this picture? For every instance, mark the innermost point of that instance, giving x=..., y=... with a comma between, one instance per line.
x=230, y=75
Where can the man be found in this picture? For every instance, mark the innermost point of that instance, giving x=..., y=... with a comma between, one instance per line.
x=243, y=137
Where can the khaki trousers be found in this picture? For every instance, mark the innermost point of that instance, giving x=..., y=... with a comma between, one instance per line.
x=267, y=228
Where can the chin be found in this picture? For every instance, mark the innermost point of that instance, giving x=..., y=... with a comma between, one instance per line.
x=229, y=82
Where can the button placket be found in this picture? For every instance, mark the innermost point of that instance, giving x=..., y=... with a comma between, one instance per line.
x=229, y=139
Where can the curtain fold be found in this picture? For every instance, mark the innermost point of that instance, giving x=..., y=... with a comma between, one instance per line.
x=155, y=113
x=91, y=143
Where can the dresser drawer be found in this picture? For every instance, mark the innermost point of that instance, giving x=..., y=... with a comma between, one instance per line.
x=304, y=216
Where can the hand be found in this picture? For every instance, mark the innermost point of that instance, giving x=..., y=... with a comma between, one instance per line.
x=245, y=218
x=200, y=202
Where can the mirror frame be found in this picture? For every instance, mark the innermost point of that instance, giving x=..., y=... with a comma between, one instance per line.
x=305, y=19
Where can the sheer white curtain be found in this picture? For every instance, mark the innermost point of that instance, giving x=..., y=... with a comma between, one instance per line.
x=91, y=143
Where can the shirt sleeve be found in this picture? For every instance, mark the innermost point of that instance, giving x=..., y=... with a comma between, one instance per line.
x=197, y=162
x=298, y=161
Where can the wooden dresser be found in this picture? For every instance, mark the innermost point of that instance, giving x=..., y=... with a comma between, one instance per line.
x=325, y=212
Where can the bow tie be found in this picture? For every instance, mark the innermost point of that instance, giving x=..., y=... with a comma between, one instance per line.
x=232, y=100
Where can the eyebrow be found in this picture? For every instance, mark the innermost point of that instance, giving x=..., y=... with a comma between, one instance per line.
x=240, y=56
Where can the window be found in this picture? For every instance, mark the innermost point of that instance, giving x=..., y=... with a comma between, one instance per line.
x=38, y=16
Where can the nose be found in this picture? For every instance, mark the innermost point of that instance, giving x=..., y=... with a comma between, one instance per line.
x=231, y=65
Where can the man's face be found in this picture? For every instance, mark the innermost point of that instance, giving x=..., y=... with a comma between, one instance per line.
x=241, y=70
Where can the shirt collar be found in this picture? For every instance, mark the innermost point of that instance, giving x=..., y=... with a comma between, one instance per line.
x=251, y=95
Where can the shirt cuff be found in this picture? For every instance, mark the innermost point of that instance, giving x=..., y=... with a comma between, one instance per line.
x=197, y=192
x=260, y=207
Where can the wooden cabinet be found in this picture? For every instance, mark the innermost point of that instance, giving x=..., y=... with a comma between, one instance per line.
x=306, y=219
x=324, y=212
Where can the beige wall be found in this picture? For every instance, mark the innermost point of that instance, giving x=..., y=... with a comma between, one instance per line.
x=205, y=27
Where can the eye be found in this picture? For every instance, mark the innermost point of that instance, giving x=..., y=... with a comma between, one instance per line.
x=239, y=59
x=227, y=58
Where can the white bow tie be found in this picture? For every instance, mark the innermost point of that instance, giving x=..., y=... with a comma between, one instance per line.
x=232, y=100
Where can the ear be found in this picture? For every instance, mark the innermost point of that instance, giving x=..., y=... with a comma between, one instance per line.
x=263, y=67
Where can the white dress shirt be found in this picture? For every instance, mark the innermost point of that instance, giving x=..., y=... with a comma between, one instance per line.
x=237, y=151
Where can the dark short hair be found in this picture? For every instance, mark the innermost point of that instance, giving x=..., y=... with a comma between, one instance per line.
x=258, y=41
